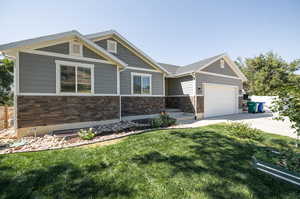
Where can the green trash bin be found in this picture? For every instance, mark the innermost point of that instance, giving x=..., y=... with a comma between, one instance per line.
x=252, y=107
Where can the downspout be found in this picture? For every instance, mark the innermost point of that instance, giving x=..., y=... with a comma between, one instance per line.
x=119, y=93
x=195, y=95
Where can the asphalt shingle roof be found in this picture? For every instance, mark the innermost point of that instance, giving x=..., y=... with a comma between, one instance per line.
x=175, y=70
x=169, y=67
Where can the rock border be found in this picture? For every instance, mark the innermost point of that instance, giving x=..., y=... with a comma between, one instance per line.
x=94, y=141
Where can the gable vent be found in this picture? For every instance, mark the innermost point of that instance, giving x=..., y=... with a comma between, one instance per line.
x=111, y=46
x=222, y=63
x=75, y=49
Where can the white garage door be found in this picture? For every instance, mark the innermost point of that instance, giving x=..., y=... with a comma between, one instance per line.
x=220, y=100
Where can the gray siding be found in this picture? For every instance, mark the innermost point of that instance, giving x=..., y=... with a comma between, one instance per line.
x=58, y=48
x=180, y=86
x=105, y=78
x=86, y=52
x=216, y=68
x=64, y=49
x=203, y=78
x=125, y=80
x=38, y=74
x=126, y=55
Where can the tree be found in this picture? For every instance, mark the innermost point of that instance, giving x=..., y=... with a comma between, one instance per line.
x=266, y=73
x=6, y=81
x=288, y=102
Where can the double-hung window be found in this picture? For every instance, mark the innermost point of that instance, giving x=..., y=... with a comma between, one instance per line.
x=141, y=84
x=73, y=77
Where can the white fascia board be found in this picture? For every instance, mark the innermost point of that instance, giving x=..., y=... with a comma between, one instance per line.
x=179, y=75
x=231, y=64
x=235, y=68
x=73, y=33
x=113, y=32
x=92, y=44
x=206, y=65
x=29, y=42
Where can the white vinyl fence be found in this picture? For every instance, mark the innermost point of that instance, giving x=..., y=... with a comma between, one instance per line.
x=267, y=99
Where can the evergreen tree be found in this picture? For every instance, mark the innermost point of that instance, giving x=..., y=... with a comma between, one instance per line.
x=6, y=81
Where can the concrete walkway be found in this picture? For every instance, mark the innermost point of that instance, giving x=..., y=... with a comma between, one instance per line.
x=262, y=121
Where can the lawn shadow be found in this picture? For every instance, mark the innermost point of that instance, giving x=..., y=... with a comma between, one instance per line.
x=220, y=157
x=63, y=180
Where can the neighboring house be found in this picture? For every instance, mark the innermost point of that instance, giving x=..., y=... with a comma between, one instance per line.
x=70, y=80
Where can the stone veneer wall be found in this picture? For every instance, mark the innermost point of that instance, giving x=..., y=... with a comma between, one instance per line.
x=186, y=103
x=142, y=105
x=52, y=110
x=200, y=104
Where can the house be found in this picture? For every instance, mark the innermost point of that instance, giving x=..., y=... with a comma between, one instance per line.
x=70, y=80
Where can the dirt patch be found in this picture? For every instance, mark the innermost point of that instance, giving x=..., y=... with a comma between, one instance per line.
x=105, y=143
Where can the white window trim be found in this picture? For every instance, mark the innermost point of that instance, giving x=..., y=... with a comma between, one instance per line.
x=113, y=43
x=142, y=75
x=76, y=65
x=71, y=43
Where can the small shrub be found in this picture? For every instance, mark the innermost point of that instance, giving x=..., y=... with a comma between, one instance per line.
x=244, y=131
x=156, y=123
x=86, y=134
x=164, y=120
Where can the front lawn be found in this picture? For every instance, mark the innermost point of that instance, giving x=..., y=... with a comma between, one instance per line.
x=188, y=163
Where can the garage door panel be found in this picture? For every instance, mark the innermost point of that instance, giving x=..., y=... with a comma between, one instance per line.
x=219, y=100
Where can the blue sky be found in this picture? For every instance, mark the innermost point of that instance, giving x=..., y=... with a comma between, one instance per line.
x=177, y=32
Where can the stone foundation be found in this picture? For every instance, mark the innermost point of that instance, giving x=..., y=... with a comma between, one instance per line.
x=186, y=103
x=55, y=110
x=142, y=105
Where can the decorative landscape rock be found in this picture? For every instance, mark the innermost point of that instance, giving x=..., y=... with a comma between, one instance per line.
x=103, y=132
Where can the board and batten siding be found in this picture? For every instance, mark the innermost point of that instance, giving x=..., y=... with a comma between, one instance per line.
x=126, y=55
x=216, y=68
x=125, y=82
x=64, y=48
x=180, y=86
x=204, y=78
x=37, y=74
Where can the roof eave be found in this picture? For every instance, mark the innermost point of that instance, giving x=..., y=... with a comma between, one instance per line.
x=15, y=46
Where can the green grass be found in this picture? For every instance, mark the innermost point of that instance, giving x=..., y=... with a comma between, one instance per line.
x=189, y=163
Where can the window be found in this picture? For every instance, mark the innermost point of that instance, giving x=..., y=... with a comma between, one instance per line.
x=111, y=46
x=141, y=84
x=222, y=63
x=75, y=49
x=74, y=77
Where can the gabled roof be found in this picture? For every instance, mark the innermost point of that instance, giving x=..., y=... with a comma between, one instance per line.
x=171, y=68
x=73, y=33
x=175, y=71
x=196, y=66
x=98, y=35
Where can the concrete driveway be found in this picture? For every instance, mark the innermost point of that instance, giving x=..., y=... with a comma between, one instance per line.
x=262, y=121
